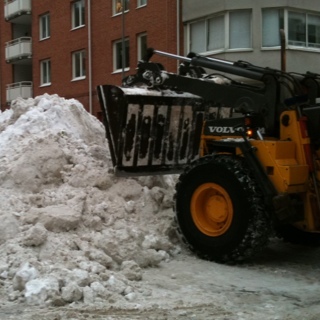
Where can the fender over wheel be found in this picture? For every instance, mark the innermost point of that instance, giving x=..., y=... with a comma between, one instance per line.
x=220, y=211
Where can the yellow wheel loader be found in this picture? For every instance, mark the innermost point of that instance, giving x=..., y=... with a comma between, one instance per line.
x=244, y=139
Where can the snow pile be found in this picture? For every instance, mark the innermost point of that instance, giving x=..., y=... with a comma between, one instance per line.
x=70, y=230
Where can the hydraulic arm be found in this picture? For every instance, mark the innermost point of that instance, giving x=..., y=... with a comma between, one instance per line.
x=267, y=91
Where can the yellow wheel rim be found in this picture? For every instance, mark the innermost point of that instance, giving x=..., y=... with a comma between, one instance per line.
x=211, y=209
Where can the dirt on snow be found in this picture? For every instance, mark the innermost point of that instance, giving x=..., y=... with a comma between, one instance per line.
x=76, y=242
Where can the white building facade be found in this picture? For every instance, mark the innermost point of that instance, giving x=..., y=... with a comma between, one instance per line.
x=249, y=30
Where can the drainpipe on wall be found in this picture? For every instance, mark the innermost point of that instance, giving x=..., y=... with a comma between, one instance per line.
x=89, y=57
x=123, y=45
x=283, y=50
x=178, y=31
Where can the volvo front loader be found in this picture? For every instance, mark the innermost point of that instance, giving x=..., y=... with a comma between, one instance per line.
x=244, y=139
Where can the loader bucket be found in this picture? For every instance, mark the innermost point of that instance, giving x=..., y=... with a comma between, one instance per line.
x=151, y=132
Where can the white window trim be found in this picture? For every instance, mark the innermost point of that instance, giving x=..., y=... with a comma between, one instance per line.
x=285, y=26
x=286, y=30
x=76, y=28
x=291, y=46
x=120, y=70
x=78, y=79
x=81, y=77
x=189, y=35
x=44, y=64
x=115, y=57
x=47, y=16
x=139, y=53
x=82, y=23
x=227, y=33
x=227, y=29
x=114, y=11
x=141, y=5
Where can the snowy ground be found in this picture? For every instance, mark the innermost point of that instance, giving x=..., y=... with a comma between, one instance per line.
x=283, y=284
x=78, y=243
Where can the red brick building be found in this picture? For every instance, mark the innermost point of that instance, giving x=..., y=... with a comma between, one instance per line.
x=69, y=47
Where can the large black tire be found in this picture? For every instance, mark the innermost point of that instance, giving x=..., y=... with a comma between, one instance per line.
x=220, y=211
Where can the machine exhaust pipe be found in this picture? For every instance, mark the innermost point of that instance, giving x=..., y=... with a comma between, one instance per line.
x=283, y=50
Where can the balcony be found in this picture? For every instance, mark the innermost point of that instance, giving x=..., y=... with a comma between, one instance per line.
x=19, y=50
x=18, y=11
x=19, y=89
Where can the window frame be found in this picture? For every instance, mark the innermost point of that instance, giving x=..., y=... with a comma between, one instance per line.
x=79, y=63
x=140, y=4
x=190, y=32
x=44, y=21
x=45, y=72
x=250, y=40
x=291, y=45
x=307, y=46
x=308, y=32
x=271, y=47
x=80, y=16
x=227, y=22
x=140, y=36
x=115, y=56
x=116, y=9
x=226, y=34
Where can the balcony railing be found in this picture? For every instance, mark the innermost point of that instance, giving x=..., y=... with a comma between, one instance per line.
x=19, y=89
x=14, y=8
x=18, y=49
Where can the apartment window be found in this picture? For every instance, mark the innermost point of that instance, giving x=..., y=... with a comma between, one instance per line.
x=216, y=33
x=198, y=36
x=240, y=29
x=272, y=22
x=44, y=26
x=78, y=14
x=230, y=30
x=142, y=3
x=302, y=29
x=313, y=31
x=142, y=46
x=119, y=5
x=297, y=32
x=79, y=65
x=119, y=55
x=45, y=69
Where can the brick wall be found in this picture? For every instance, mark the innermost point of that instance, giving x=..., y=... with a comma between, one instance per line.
x=157, y=19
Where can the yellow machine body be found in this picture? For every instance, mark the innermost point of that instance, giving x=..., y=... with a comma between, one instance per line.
x=248, y=153
x=288, y=167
